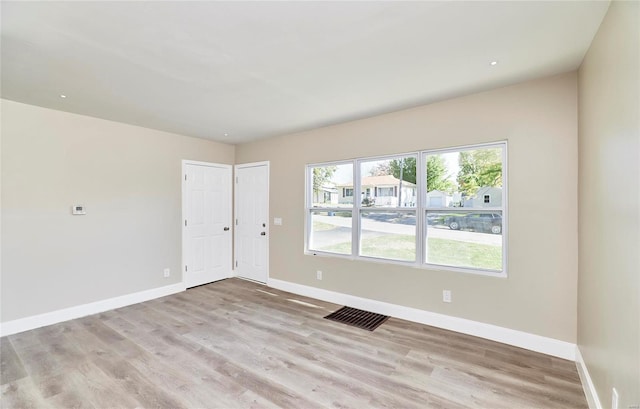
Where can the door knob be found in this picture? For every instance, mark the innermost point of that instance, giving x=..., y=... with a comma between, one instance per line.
x=226, y=229
x=263, y=233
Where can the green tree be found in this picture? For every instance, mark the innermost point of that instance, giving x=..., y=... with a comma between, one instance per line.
x=406, y=167
x=437, y=176
x=478, y=168
x=321, y=175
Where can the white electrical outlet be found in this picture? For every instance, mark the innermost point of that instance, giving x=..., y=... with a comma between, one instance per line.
x=319, y=275
x=614, y=399
x=167, y=272
x=277, y=221
x=446, y=295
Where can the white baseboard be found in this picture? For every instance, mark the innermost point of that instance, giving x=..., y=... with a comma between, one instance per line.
x=537, y=343
x=54, y=317
x=587, y=384
x=508, y=336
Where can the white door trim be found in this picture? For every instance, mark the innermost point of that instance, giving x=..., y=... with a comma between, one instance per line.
x=186, y=162
x=235, y=211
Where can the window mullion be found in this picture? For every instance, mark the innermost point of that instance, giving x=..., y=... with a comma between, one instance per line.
x=421, y=193
x=308, y=205
x=355, y=215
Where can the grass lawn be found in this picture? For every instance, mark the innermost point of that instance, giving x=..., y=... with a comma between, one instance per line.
x=397, y=247
x=441, y=251
x=464, y=254
x=319, y=226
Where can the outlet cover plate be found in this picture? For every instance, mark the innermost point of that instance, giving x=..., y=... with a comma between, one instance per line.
x=446, y=295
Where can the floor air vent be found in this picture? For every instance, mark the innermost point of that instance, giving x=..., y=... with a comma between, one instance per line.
x=357, y=318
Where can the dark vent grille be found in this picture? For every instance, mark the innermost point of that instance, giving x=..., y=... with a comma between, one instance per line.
x=357, y=318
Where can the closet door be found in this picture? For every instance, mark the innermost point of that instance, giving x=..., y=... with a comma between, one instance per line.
x=207, y=234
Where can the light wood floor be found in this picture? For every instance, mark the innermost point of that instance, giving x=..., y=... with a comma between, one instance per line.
x=236, y=344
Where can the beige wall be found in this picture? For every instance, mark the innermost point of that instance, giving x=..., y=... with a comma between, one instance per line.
x=129, y=179
x=539, y=120
x=609, y=186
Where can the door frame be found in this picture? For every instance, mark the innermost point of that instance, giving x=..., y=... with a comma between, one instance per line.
x=235, y=212
x=183, y=213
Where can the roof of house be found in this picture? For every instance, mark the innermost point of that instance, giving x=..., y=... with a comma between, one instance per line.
x=385, y=180
x=484, y=189
x=327, y=188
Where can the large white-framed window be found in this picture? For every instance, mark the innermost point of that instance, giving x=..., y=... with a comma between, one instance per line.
x=428, y=209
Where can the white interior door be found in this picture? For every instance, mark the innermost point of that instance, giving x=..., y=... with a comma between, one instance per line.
x=207, y=234
x=252, y=221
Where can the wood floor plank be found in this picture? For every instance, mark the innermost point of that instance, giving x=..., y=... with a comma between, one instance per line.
x=283, y=367
x=38, y=361
x=267, y=389
x=100, y=389
x=135, y=383
x=167, y=376
x=21, y=394
x=11, y=368
x=251, y=400
x=69, y=391
x=237, y=344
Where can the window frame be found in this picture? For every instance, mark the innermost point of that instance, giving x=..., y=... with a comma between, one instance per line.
x=309, y=209
x=395, y=209
x=419, y=210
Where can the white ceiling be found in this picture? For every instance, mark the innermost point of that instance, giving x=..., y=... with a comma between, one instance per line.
x=258, y=69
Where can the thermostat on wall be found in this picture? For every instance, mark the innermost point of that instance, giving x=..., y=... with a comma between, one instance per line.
x=78, y=209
